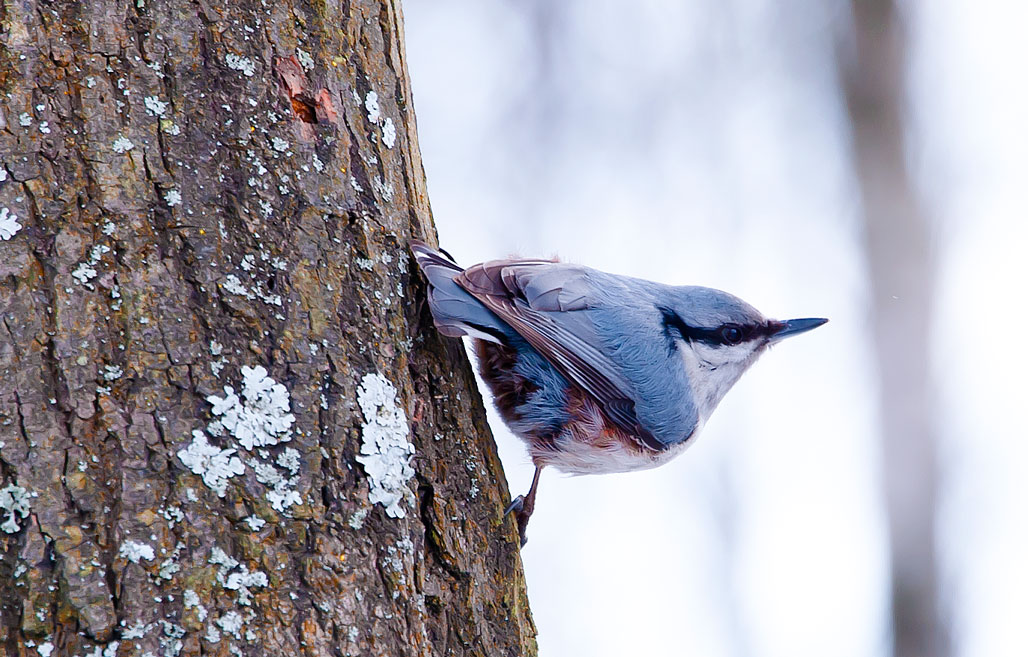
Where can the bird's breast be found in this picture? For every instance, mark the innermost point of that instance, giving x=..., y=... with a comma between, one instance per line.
x=589, y=443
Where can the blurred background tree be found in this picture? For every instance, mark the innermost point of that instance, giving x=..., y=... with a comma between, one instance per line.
x=901, y=267
x=857, y=494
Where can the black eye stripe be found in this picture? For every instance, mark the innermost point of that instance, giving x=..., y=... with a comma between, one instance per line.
x=712, y=336
x=694, y=333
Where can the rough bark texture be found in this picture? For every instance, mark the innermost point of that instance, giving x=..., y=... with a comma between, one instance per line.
x=206, y=185
x=898, y=246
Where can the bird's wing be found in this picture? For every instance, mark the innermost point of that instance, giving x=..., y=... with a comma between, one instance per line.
x=539, y=300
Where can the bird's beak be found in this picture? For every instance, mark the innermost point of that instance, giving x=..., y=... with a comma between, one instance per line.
x=791, y=327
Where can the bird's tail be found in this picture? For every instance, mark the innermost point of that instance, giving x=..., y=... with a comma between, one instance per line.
x=455, y=312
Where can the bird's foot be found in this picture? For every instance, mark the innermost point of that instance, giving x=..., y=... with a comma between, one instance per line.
x=523, y=505
x=522, y=511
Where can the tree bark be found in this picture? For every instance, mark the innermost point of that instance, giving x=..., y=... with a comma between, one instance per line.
x=204, y=188
x=898, y=246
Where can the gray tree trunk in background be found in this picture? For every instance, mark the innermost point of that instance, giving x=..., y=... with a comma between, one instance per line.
x=899, y=256
x=205, y=188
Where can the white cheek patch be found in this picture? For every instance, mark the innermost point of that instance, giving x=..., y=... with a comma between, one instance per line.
x=713, y=371
x=714, y=358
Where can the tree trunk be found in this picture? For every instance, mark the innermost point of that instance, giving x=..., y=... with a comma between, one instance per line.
x=898, y=248
x=197, y=194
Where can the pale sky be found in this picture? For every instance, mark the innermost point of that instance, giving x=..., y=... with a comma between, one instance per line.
x=706, y=145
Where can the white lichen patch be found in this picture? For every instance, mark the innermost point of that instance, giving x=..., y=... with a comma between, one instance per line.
x=388, y=133
x=254, y=523
x=215, y=465
x=172, y=514
x=25, y=119
x=271, y=299
x=371, y=104
x=122, y=145
x=255, y=419
x=224, y=562
x=168, y=568
x=14, y=501
x=398, y=557
x=135, y=631
x=383, y=189
x=230, y=623
x=357, y=519
x=86, y=271
x=284, y=495
x=306, y=61
x=243, y=64
x=235, y=286
x=173, y=197
x=192, y=600
x=171, y=641
x=155, y=106
x=290, y=460
x=385, y=451
x=242, y=580
x=262, y=416
x=213, y=635
x=97, y=252
x=9, y=225
x=135, y=550
x=83, y=274
x=266, y=473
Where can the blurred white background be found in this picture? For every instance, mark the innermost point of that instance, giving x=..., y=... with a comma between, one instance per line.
x=710, y=142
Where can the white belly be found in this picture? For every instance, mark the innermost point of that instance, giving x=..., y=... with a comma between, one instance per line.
x=579, y=458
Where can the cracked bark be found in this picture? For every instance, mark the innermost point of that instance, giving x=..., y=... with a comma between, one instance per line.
x=267, y=209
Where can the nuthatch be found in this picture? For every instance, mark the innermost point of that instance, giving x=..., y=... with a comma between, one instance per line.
x=596, y=372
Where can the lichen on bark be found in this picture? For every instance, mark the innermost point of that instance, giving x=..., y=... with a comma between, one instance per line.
x=204, y=186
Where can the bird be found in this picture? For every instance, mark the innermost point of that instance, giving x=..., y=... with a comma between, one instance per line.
x=596, y=372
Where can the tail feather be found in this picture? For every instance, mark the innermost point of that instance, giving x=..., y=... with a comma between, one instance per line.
x=456, y=313
x=429, y=257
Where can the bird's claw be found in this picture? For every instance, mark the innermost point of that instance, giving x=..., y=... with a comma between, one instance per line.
x=516, y=505
x=522, y=513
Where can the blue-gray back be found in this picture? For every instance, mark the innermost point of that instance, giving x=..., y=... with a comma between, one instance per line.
x=603, y=332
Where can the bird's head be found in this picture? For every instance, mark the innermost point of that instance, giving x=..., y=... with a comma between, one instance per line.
x=718, y=336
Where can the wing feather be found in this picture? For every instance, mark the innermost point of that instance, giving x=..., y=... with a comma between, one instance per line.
x=538, y=299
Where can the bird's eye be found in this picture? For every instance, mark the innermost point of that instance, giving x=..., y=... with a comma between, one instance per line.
x=731, y=334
